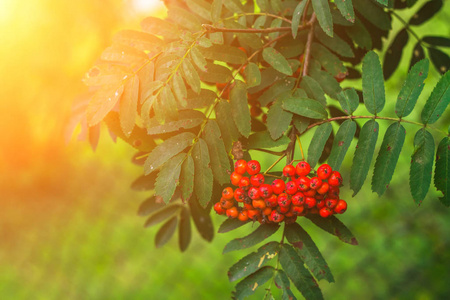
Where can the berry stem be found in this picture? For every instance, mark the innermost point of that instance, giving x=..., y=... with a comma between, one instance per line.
x=301, y=148
x=273, y=165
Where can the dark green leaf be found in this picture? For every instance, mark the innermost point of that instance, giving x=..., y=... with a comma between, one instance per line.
x=166, y=232
x=275, y=24
x=277, y=60
x=168, y=177
x=373, y=83
x=349, y=100
x=437, y=41
x=360, y=35
x=388, y=157
x=253, y=261
x=161, y=215
x=330, y=62
x=276, y=90
x=260, y=234
x=305, y=107
x=187, y=178
x=144, y=183
x=225, y=53
x=296, y=17
x=198, y=59
x=426, y=12
x=346, y=9
x=149, y=206
x=421, y=165
x=442, y=170
x=394, y=53
x=373, y=13
x=341, y=143
x=268, y=77
x=318, y=142
x=205, y=98
x=328, y=83
x=168, y=149
x=230, y=224
x=252, y=75
x=440, y=60
x=417, y=54
x=384, y=2
x=251, y=40
x=262, y=139
x=322, y=10
x=282, y=282
x=335, y=227
x=229, y=131
x=438, y=101
x=300, y=276
x=411, y=89
x=216, y=10
x=300, y=123
x=239, y=108
x=202, y=220
x=363, y=155
x=335, y=43
x=313, y=89
x=215, y=74
x=248, y=286
x=186, y=119
x=220, y=163
x=278, y=119
x=410, y=3
x=203, y=177
x=191, y=75
x=184, y=229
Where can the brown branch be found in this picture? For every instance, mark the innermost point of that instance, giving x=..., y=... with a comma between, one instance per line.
x=308, y=46
x=211, y=28
x=290, y=150
x=305, y=12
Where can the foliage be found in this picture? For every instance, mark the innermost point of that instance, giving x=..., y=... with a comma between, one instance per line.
x=218, y=78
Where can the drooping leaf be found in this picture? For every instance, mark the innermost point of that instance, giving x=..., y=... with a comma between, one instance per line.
x=239, y=108
x=373, y=83
x=388, y=157
x=440, y=60
x=426, y=12
x=162, y=215
x=277, y=60
x=220, y=163
x=313, y=89
x=349, y=100
x=303, y=280
x=363, y=155
x=417, y=54
x=308, y=251
x=282, y=282
x=335, y=43
x=215, y=74
x=137, y=39
x=225, y=53
x=394, y=53
x=438, y=100
x=263, y=139
x=252, y=75
x=203, y=177
x=373, y=13
x=335, y=227
x=184, y=229
x=187, y=178
x=359, y=34
x=253, y=261
x=421, y=165
x=165, y=151
x=191, y=75
x=230, y=224
x=296, y=17
x=330, y=62
x=318, y=142
x=166, y=232
x=260, y=234
x=278, y=119
x=305, y=107
x=186, y=119
x=248, y=286
x=440, y=41
x=226, y=124
x=150, y=205
x=179, y=89
x=442, y=170
x=411, y=89
x=346, y=9
x=202, y=220
x=102, y=102
x=322, y=10
x=168, y=177
x=341, y=143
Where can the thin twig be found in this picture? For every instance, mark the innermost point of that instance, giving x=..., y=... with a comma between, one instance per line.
x=308, y=46
x=270, y=151
x=211, y=28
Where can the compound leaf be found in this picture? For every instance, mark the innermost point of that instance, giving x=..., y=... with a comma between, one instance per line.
x=230, y=224
x=168, y=177
x=260, y=234
x=442, y=170
x=187, y=178
x=322, y=10
x=203, y=177
x=349, y=100
x=239, y=108
x=394, y=53
x=335, y=227
x=277, y=60
x=220, y=163
x=305, y=107
x=202, y=220
x=318, y=142
x=373, y=83
x=184, y=229
x=438, y=100
x=341, y=143
x=248, y=286
x=166, y=232
x=278, y=119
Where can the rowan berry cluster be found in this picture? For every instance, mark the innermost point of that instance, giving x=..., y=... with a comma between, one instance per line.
x=306, y=192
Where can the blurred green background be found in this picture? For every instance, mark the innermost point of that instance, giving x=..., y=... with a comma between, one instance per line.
x=68, y=223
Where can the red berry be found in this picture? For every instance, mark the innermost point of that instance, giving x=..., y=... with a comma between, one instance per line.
x=218, y=208
x=267, y=211
x=288, y=171
x=265, y=190
x=276, y=216
x=240, y=166
x=291, y=187
x=272, y=201
x=331, y=203
x=239, y=195
x=303, y=183
x=227, y=193
x=320, y=203
x=335, y=179
x=341, y=207
x=298, y=199
x=298, y=209
x=232, y=212
x=325, y=212
x=315, y=183
x=333, y=192
x=244, y=182
x=323, y=189
x=243, y=216
x=253, y=213
x=310, y=202
x=257, y=180
x=324, y=171
x=283, y=200
x=226, y=204
x=253, y=167
x=302, y=168
x=284, y=209
x=253, y=193
x=310, y=193
x=278, y=186
x=235, y=178
x=259, y=203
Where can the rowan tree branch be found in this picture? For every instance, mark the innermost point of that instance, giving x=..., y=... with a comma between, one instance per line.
x=308, y=46
x=210, y=28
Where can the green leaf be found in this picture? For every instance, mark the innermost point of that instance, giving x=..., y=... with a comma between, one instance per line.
x=168, y=149
x=300, y=276
x=421, y=165
x=427, y=11
x=440, y=60
x=220, y=162
x=330, y=62
x=360, y=35
x=168, y=177
x=137, y=39
x=230, y=224
x=383, y=2
x=328, y=83
x=305, y=107
x=161, y=215
x=442, y=170
x=277, y=60
x=335, y=43
x=260, y=234
x=335, y=227
x=411, y=89
x=160, y=27
x=251, y=40
x=318, y=142
x=263, y=139
x=308, y=251
x=149, y=90
x=201, y=8
x=346, y=9
x=278, y=119
x=373, y=83
x=234, y=6
x=439, y=41
x=215, y=74
x=198, y=59
x=128, y=105
x=204, y=99
x=417, y=54
x=341, y=143
x=373, y=13
x=388, y=157
x=202, y=220
x=363, y=155
x=313, y=89
x=216, y=10
x=322, y=10
x=165, y=107
x=179, y=89
x=349, y=100
x=274, y=92
x=253, y=261
x=187, y=178
x=166, y=232
x=229, y=131
x=184, y=229
x=184, y=18
x=248, y=286
x=191, y=75
x=124, y=55
x=149, y=206
x=186, y=119
x=282, y=281
x=225, y=53
x=394, y=53
x=252, y=75
x=296, y=18
x=438, y=101
x=102, y=102
x=203, y=178
x=239, y=108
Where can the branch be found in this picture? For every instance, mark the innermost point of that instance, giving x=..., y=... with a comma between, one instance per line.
x=210, y=28
x=308, y=46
